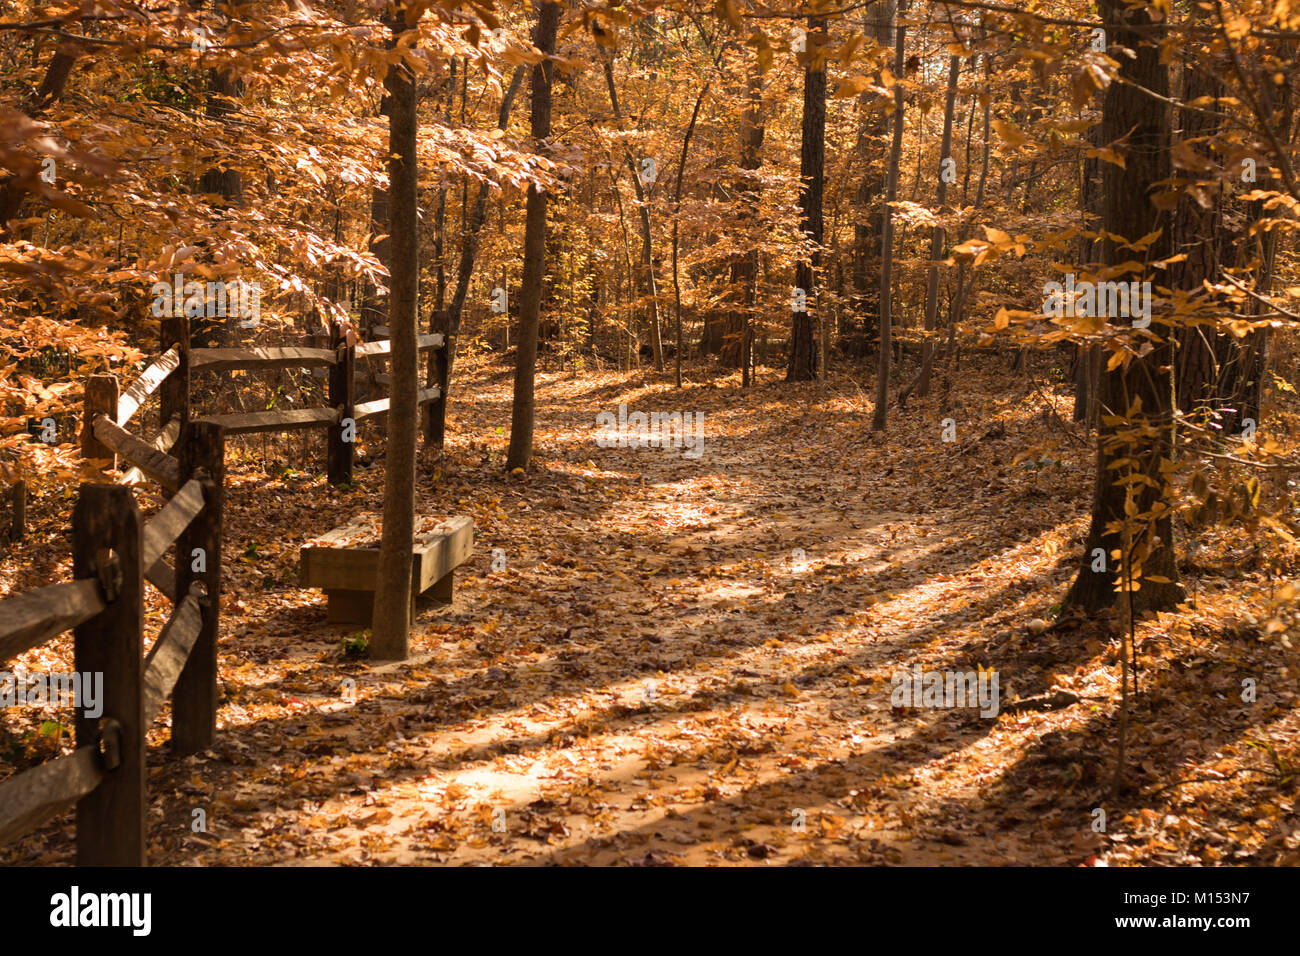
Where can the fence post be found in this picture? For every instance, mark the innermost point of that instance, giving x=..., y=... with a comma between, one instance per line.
x=340, y=452
x=16, y=495
x=198, y=558
x=106, y=545
x=174, y=392
x=102, y=392
x=435, y=412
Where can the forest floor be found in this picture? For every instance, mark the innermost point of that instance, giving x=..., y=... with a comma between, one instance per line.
x=688, y=661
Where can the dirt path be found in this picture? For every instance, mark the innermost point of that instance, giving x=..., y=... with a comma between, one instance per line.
x=676, y=661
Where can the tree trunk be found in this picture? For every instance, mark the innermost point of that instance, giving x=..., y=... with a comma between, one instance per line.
x=1216, y=371
x=1129, y=213
x=647, y=270
x=802, y=365
x=15, y=188
x=887, y=230
x=391, y=625
x=743, y=270
x=450, y=319
x=871, y=187
x=677, y=203
x=1087, y=359
x=530, y=292
x=224, y=89
x=937, y=240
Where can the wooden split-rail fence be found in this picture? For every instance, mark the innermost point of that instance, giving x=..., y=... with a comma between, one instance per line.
x=114, y=551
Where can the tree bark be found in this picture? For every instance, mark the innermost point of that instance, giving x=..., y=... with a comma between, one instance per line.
x=677, y=203
x=530, y=292
x=887, y=229
x=391, y=623
x=937, y=240
x=1087, y=360
x=871, y=187
x=450, y=319
x=743, y=271
x=802, y=365
x=1129, y=212
x=647, y=269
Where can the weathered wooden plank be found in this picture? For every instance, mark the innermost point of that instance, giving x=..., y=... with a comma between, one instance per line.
x=380, y=405
x=327, y=563
x=380, y=332
x=174, y=395
x=169, y=653
x=194, y=698
x=31, y=619
x=451, y=547
x=162, y=576
x=34, y=796
x=274, y=421
x=146, y=384
x=364, y=410
x=159, y=466
x=166, y=526
x=341, y=445
x=432, y=340
x=106, y=544
x=100, y=399
x=164, y=441
x=433, y=415
x=224, y=360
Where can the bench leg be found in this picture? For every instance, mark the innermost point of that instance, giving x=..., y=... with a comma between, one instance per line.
x=441, y=590
x=349, y=607
x=353, y=607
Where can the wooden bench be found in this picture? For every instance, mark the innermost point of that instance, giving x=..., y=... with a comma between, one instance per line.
x=345, y=563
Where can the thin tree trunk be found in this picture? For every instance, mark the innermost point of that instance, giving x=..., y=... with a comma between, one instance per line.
x=937, y=240
x=530, y=292
x=464, y=272
x=677, y=202
x=887, y=232
x=802, y=365
x=392, y=608
x=871, y=187
x=648, y=283
x=743, y=270
x=964, y=288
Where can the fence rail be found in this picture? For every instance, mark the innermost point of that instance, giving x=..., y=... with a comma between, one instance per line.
x=115, y=552
x=146, y=384
x=31, y=619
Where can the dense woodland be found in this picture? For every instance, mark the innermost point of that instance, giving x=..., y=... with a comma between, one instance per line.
x=976, y=321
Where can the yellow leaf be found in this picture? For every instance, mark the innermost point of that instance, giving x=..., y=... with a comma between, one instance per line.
x=851, y=87
x=1009, y=132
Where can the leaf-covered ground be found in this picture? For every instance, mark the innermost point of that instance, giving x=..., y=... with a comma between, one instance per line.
x=675, y=661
